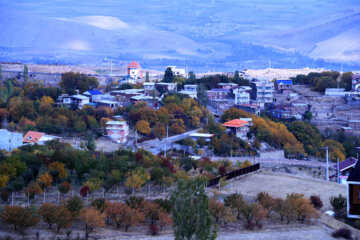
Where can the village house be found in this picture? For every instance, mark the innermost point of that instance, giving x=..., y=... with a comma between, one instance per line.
x=40, y=138
x=241, y=96
x=217, y=93
x=92, y=94
x=284, y=86
x=162, y=87
x=134, y=70
x=345, y=167
x=228, y=85
x=10, y=140
x=238, y=127
x=117, y=131
x=353, y=193
x=78, y=101
x=177, y=71
x=254, y=109
x=149, y=88
x=262, y=92
x=125, y=95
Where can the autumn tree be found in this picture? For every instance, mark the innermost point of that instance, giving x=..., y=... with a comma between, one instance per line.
x=217, y=209
x=143, y=127
x=235, y=201
x=122, y=214
x=137, y=178
x=44, y=181
x=32, y=189
x=46, y=103
x=304, y=209
x=228, y=216
x=58, y=169
x=191, y=215
x=177, y=126
x=92, y=218
x=247, y=212
x=152, y=211
x=20, y=217
x=3, y=180
x=47, y=213
x=63, y=218
x=259, y=213
x=266, y=200
x=64, y=187
x=164, y=219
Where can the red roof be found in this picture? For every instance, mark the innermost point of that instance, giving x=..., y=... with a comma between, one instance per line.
x=133, y=64
x=32, y=137
x=235, y=123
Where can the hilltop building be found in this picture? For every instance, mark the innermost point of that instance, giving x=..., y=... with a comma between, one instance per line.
x=134, y=70
x=118, y=131
x=10, y=140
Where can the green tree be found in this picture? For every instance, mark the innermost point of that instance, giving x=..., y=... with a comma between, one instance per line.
x=201, y=94
x=191, y=215
x=26, y=76
x=346, y=80
x=236, y=76
x=192, y=76
x=71, y=81
x=90, y=143
x=168, y=76
x=147, y=77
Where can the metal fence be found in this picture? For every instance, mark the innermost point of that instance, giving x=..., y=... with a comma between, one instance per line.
x=235, y=173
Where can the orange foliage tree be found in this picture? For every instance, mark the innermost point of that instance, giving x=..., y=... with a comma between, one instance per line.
x=45, y=181
x=20, y=217
x=59, y=167
x=47, y=213
x=143, y=127
x=92, y=218
x=122, y=214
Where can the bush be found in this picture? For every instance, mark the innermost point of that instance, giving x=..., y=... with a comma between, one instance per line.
x=84, y=191
x=4, y=196
x=342, y=233
x=153, y=229
x=338, y=203
x=316, y=202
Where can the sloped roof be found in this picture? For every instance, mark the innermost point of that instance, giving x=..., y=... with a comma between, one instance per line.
x=32, y=137
x=355, y=174
x=347, y=163
x=284, y=82
x=235, y=123
x=133, y=64
x=93, y=92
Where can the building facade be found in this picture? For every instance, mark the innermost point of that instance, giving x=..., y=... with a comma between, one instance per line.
x=10, y=140
x=241, y=96
x=262, y=91
x=118, y=131
x=134, y=70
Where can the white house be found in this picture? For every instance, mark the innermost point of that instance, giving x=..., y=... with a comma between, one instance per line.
x=241, y=96
x=118, y=131
x=10, y=140
x=177, y=71
x=32, y=137
x=134, y=70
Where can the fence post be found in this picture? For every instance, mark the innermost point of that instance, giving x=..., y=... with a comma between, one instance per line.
x=12, y=198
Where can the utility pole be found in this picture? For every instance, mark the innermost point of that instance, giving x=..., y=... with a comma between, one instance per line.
x=327, y=162
x=167, y=136
x=338, y=171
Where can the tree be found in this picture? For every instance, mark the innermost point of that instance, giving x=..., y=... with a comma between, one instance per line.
x=46, y=103
x=339, y=204
x=259, y=213
x=92, y=218
x=228, y=216
x=63, y=218
x=236, y=76
x=316, y=202
x=122, y=214
x=3, y=180
x=265, y=200
x=164, y=219
x=169, y=75
x=137, y=178
x=191, y=215
x=143, y=127
x=84, y=191
x=217, y=209
x=44, y=181
x=147, y=78
x=32, y=189
x=47, y=213
x=201, y=95
x=304, y=209
x=235, y=201
x=71, y=81
x=59, y=168
x=247, y=212
x=152, y=211
x=346, y=80
x=177, y=126
x=90, y=143
x=26, y=76
x=74, y=205
x=192, y=76
x=64, y=187
x=20, y=217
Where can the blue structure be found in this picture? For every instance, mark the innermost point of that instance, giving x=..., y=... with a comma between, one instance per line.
x=10, y=140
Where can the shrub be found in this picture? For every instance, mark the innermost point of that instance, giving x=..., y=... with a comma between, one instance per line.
x=342, y=233
x=4, y=196
x=338, y=203
x=153, y=229
x=64, y=187
x=316, y=202
x=84, y=191
x=74, y=205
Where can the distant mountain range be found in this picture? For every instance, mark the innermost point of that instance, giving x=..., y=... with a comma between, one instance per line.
x=204, y=35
